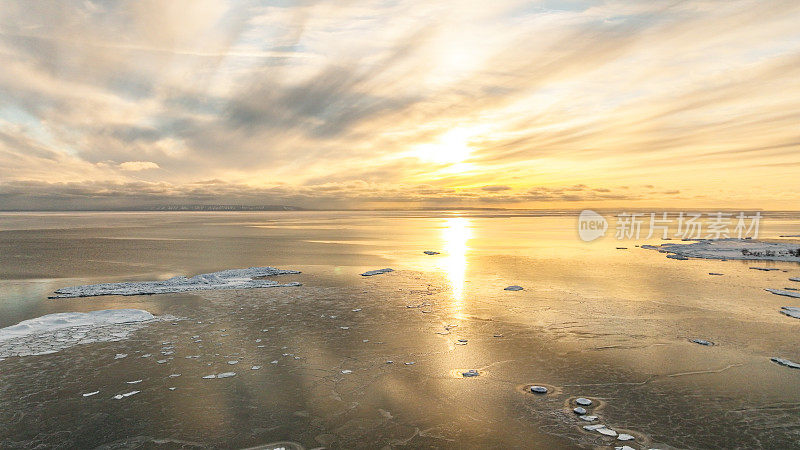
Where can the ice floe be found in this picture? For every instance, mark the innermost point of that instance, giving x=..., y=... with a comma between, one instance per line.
x=127, y=394
x=580, y=410
x=539, y=389
x=54, y=332
x=226, y=279
x=785, y=362
x=370, y=273
x=583, y=401
x=795, y=294
x=743, y=249
x=791, y=311
x=625, y=437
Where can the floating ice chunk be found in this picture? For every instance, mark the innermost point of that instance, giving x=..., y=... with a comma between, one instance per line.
x=370, y=273
x=120, y=355
x=89, y=394
x=607, y=432
x=208, y=377
x=226, y=374
x=791, y=311
x=430, y=252
x=785, y=362
x=226, y=279
x=589, y=418
x=583, y=401
x=134, y=382
x=593, y=427
x=346, y=371
x=625, y=437
x=127, y=394
x=255, y=368
x=743, y=249
x=785, y=293
x=580, y=410
x=678, y=257
x=470, y=373
x=539, y=389
x=232, y=362
x=702, y=342
x=513, y=288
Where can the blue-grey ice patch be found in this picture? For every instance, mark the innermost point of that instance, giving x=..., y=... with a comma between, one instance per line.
x=742, y=249
x=785, y=362
x=588, y=418
x=539, y=389
x=232, y=362
x=593, y=427
x=53, y=332
x=625, y=447
x=430, y=252
x=794, y=279
x=580, y=410
x=791, y=311
x=678, y=257
x=370, y=273
x=226, y=279
x=764, y=269
x=625, y=437
x=702, y=342
x=607, y=431
x=783, y=292
x=470, y=373
x=583, y=401
x=513, y=288
x=716, y=273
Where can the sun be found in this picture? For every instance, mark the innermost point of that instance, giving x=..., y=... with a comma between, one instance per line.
x=451, y=147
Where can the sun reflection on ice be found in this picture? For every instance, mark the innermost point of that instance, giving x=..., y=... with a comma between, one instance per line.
x=456, y=234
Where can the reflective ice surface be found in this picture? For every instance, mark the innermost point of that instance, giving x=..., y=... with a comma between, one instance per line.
x=350, y=361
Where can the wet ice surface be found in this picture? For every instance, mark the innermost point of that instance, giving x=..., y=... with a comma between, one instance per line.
x=584, y=328
x=225, y=279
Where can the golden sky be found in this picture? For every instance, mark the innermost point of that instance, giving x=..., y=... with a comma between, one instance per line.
x=379, y=104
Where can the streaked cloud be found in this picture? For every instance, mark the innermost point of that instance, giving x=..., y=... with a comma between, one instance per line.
x=408, y=103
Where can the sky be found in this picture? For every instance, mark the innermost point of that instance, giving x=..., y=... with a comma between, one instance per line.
x=400, y=104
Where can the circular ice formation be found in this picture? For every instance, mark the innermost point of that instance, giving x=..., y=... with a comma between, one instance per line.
x=539, y=389
x=580, y=410
x=583, y=401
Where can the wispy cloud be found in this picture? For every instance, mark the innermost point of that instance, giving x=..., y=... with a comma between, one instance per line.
x=407, y=102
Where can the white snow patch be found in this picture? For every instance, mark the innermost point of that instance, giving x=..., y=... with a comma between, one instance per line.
x=54, y=332
x=127, y=394
x=744, y=249
x=226, y=279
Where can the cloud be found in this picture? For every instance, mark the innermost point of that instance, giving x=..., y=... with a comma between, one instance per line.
x=562, y=103
x=135, y=166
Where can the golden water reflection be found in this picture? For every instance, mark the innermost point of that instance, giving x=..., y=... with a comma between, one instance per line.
x=456, y=234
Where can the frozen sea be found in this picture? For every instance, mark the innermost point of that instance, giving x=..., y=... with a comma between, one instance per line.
x=352, y=361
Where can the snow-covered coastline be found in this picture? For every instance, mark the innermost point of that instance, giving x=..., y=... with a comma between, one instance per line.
x=740, y=249
x=54, y=332
x=226, y=279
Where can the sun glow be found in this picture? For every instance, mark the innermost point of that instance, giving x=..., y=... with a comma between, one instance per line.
x=451, y=147
x=456, y=234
